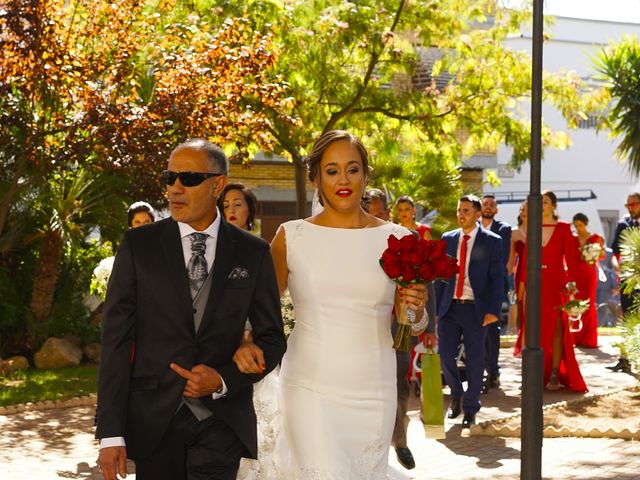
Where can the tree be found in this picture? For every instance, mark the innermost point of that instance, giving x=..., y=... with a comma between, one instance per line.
x=111, y=87
x=353, y=65
x=619, y=65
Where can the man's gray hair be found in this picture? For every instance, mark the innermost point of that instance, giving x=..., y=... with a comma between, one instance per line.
x=215, y=154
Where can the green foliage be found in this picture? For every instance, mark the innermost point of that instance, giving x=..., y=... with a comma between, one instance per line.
x=353, y=65
x=41, y=385
x=13, y=307
x=70, y=315
x=630, y=264
x=619, y=65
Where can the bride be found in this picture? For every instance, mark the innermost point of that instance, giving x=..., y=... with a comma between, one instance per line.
x=337, y=383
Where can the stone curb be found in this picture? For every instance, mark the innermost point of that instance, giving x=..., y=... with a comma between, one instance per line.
x=498, y=428
x=85, y=401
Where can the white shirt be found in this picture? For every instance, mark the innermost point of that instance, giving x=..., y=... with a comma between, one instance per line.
x=467, y=291
x=210, y=255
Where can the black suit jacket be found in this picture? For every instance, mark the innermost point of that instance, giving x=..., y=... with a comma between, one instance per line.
x=148, y=302
x=622, y=225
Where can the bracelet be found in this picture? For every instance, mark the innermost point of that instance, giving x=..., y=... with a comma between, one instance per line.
x=417, y=328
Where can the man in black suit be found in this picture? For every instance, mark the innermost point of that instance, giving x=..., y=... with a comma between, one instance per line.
x=169, y=395
x=376, y=204
x=503, y=229
x=626, y=301
x=468, y=302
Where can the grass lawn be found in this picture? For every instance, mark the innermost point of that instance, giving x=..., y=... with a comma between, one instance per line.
x=39, y=385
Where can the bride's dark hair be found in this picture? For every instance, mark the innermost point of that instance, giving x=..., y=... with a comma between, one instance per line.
x=326, y=139
x=322, y=143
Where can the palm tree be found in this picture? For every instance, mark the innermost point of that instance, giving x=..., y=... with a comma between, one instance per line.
x=69, y=205
x=619, y=65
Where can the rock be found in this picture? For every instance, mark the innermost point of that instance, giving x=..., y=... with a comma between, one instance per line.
x=73, y=339
x=92, y=352
x=10, y=365
x=58, y=353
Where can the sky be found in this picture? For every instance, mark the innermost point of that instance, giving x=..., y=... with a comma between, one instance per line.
x=611, y=10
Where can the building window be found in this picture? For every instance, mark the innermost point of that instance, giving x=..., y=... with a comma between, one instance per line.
x=592, y=121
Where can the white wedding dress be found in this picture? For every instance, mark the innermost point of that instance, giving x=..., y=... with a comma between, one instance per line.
x=338, y=378
x=337, y=386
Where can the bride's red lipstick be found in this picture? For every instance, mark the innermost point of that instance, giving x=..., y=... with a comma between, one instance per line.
x=344, y=192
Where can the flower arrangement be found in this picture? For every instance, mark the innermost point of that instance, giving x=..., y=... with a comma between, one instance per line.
x=591, y=252
x=409, y=260
x=288, y=314
x=574, y=307
x=100, y=278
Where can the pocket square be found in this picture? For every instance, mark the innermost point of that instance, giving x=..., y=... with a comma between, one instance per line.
x=238, y=273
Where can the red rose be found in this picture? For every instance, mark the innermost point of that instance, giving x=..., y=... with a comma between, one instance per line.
x=438, y=250
x=409, y=242
x=427, y=249
x=426, y=272
x=394, y=244
x=391, y=264
x=408, y=271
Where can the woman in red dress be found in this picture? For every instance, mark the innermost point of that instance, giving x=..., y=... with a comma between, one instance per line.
x=406, y=216
x=517, y=265
x=558, y=250
x=587, y=282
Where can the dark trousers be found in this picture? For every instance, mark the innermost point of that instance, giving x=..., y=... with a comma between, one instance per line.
x=399, y=438
x=461, y=322
x=192, y=450
x=492, y=347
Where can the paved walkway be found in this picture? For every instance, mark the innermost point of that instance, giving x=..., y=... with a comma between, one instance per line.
x=55, y=444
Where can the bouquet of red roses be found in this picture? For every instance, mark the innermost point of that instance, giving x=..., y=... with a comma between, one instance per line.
x=411, y=259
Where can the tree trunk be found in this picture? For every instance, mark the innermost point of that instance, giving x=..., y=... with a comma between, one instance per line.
x=301, y=187
x=46, y=276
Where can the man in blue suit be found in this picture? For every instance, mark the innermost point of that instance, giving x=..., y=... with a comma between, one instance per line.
x=503, y=229
x=467, y=303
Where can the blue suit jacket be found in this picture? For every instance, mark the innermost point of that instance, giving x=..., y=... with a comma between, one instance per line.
x=503, y=229
x=486, y=274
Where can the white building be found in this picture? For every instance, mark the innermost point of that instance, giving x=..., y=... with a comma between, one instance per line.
x=590, y=164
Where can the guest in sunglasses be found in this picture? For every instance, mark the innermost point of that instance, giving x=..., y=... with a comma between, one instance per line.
x=238, y=205
x=182, y=288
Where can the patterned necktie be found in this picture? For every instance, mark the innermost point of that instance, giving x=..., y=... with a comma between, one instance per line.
x=197, y=266
x=463, y=266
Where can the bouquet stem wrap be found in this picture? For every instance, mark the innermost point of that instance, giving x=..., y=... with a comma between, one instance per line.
x=402, y=338
x=432, y=401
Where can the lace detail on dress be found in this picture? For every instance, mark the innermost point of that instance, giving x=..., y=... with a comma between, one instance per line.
x=292, y=230
x=370, y=465
x=266, y=405
x=399, y=231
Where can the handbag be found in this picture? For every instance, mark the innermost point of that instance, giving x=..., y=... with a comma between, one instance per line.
x=432, y=399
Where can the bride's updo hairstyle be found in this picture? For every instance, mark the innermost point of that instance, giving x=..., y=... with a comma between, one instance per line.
x=320, y=146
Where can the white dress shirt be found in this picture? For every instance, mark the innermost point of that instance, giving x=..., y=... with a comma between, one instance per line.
x=467, y=291
x=210, y=255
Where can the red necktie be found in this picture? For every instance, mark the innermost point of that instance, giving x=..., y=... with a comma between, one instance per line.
x=463, y=266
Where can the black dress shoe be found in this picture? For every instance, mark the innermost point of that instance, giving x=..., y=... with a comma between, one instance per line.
x=492, y=381
x=468, y=420
x=405, y=458
x=623, y=365
x=454, y=408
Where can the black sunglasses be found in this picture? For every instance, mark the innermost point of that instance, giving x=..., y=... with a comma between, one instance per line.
x=187, y=179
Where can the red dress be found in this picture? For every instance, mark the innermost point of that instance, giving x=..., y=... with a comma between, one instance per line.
x=587, y=282
x=520, y=278
x=423, y=229
x=559, y=250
